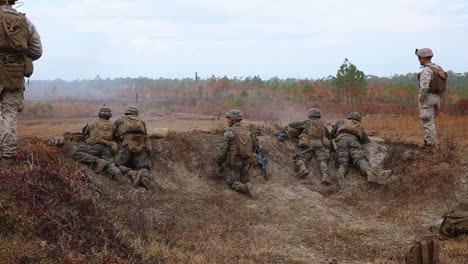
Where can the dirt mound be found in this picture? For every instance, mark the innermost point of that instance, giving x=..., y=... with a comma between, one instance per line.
x=194, y=217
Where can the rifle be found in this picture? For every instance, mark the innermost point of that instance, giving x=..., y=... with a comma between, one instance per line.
x=262, y=162
x=93, y=185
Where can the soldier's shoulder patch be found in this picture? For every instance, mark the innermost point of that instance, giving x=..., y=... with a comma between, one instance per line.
x=229, y=135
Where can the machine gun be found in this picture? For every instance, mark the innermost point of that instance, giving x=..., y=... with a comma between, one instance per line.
x=262, y=162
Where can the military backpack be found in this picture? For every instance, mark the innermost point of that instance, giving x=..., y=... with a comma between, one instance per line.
x=456, y=222
x=425, y=250
x=438, y=82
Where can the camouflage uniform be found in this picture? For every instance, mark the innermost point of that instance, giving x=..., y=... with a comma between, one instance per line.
x=315, y=148
x=127, y=160
x=349, y=148
x=235, y=168
x=313, y=141
x=429, y=105
x=92, y=153
x=11, y=101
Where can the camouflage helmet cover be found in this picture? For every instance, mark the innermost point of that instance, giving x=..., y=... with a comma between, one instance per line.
x=132, y=110
x=234, y=114
x=104, y=110
x=355, y=116
x=314, y=112
x=424, y=53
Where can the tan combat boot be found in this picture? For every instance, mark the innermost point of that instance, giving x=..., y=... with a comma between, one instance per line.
x=100, y=165
x=302, y=172
x=326, y=179
x=147, y=183
x=372, y=178
x=250, y=190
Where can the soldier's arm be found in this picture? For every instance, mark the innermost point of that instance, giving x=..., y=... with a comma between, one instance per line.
x=334, y=131
x=115, y=128
x=228, y=138
x=85, y=132
x=365, y=138
x=298, y=125
x=424, y=81
x=34, y=50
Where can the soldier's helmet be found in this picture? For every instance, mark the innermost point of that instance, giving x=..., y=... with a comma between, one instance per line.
x=424, y=53
x=234, y=114
x=314, y=112
x=104, y=110
x=132, y=110
x=355, y=116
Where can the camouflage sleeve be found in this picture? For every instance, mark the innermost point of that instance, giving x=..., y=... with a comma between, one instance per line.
x=34, y=50
x=85, y=131
x=298, y=125
x=334, y=131
x=228, y=138
x=115, y=128
x=255, y=143
x=365, y=138
x=424, y=81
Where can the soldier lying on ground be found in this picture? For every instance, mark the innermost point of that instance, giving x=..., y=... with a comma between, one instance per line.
x=313, y=141
x=349, y=135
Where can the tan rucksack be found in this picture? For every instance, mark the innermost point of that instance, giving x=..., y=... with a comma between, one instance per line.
x=351, y=127
x=456, y=222
x=425, y=250
x=438, y=82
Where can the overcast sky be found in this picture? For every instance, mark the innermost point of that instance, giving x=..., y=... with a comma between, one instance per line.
x=295, y=38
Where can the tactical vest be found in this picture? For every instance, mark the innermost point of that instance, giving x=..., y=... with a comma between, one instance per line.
x=100, y=130
x=131, y=125
x=240, y=150
x=14, y=36
x=350, y=128
x=439, y=77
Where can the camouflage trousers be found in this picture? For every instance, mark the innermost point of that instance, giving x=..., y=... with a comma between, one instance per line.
x=88, y=154
x=237, y=177
x=11, y=103
x=316, y=149
x=428, y=111
x=126, y=160
x=349, y=149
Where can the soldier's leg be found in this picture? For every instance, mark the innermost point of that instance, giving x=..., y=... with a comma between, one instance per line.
x=322, y=154
x=427, y=113
x=360, y=160
x=301, y=157
x=110, y=168
x=11, y=103
x=142, y=163
x=342, y=153
x=123, y=157
x=84, y=153
x=232, y=175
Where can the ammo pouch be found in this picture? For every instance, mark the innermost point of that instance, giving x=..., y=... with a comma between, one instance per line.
x=303, y=141
x=136, y=142
x=28, y=66
x=425, y=250
x=12, y=72
x=456, y=222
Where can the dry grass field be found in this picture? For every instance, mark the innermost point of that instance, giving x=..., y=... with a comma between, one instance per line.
x=193, y=217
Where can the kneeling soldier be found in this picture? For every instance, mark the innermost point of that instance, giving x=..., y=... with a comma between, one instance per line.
x=238, y=154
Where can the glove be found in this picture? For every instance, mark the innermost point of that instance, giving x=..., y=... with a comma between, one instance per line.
x=114, y=147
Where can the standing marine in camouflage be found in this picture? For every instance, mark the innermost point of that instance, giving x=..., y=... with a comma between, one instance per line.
x=20, y=44
x=99, y=145
x=349, y=135
x=432, y=84
x=237, y=154
x=313, y=141
x=131, y=134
